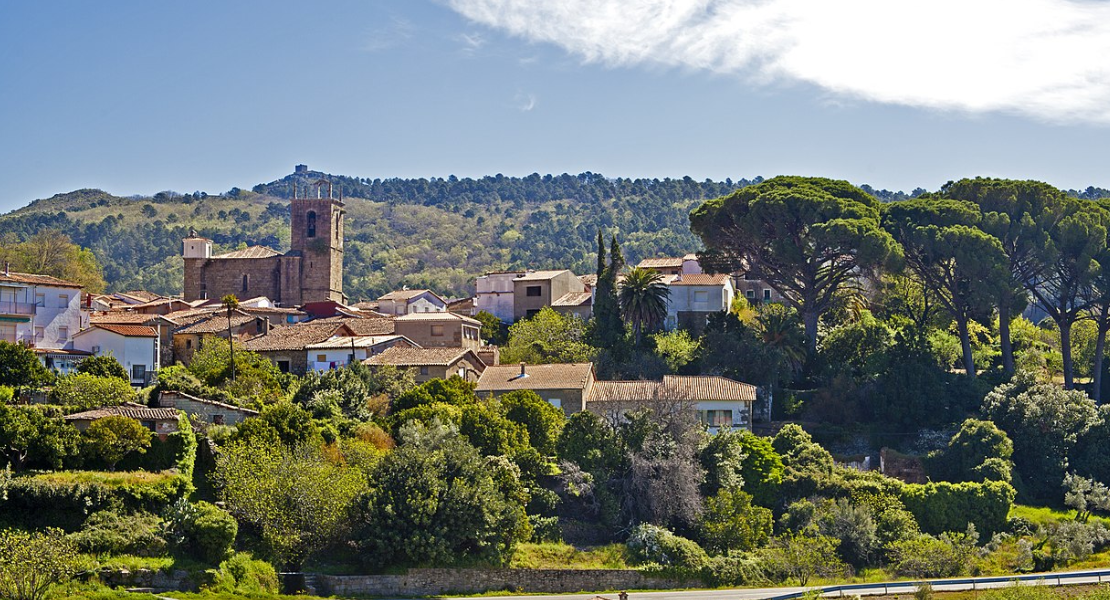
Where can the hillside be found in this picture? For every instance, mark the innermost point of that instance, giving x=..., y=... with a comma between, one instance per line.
x=437, y=233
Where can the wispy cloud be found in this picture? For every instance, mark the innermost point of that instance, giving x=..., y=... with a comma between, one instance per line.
x=525, y=101
x=471, y=42
x=1047, y=59
x=394, y=33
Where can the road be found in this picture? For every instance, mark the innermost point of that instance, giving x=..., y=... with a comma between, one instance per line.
x=868, y=589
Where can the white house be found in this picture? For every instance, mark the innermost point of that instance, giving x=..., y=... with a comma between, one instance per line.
x=495, y=294
x=44, y=313
x=407, y=302
x=336, y=352
x=136, y=347
x=719, y=403
x=685, y=265
x=696, y=296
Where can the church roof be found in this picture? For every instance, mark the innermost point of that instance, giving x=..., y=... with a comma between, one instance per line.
x=251, y=252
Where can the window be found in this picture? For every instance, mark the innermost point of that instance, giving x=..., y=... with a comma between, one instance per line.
x=716, y=418
x=701, y=296
x=217, y=419
x=766, y=294
x=40, y=300
x=311, y=225
x=138, y=372
x=7, y=333
x=283, y=366
x=437, y=330
x=531, y=313
x=63, y=333
x=532, y=291
x=188, y=344
x=321, y=358
x=63, y=300
x=556, y=402
x=750, y=294
x=246, y=282
x=423, y=370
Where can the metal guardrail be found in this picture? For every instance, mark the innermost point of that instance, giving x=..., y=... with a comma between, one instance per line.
x=904, y=586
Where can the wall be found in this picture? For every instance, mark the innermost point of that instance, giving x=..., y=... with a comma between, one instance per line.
x=231, y=414
x=128, y=351
x=495, y=294
x=456, y=333
x=433, y=582
x=223, y=276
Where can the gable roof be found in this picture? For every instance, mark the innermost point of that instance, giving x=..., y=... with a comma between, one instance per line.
x=294, y=337
x=251, y=252
x=406, y=295
x=541, y=275
x=435, y=316
x=121, y=318
x=355, y=341
x=565, y=376
x=661, y=263
x=205, y=401
x=368, y=325
x=421, y=357
x=131, y=412
x=216, y=323
x=124, y=330
x=700, y=279
x=573, y=299
x=673, y=387
x=33, y=279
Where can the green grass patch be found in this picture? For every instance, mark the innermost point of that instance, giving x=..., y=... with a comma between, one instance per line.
x=1043, y=515
x=565, y=556
x=111, y=479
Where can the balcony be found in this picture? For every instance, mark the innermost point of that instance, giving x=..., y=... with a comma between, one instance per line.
x=11, y=307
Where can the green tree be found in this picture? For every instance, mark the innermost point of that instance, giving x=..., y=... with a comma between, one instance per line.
x=493, y=330
x=590, y=442
x=972, y=452
x=299, y=499
x=85, y=391
x=26, y=435
x=436, y=501
x=230, y=303
x=20, y=368
x=800, y=557
x=548, y=337
x=543, y=421
x=50, y=252
x=33, y=562
x=1085, y=496
x=109, y=439
x=257, y=379
x=608, y=328
x=676, y=348
x=282, y=422
x=964, y=268
x=103, y=366
x=806, y=237
x=731, y=522
x=643, y=301
x=455, y=391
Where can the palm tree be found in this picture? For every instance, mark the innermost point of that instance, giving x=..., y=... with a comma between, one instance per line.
x=643, y=300
x=231, y=303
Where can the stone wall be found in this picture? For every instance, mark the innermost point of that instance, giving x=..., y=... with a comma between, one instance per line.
x=433, y=582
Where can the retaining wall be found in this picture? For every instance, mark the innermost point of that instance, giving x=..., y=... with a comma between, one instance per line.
x=433, y=582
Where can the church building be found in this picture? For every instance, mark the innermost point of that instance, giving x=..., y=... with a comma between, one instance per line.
x=312, y=270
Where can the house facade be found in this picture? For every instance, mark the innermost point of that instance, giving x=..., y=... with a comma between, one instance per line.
x=204, y=410
x=537, y=289
x=685, y=265
x=337, y=352
x=695, y=297
x=718, y=403
x=432, y=363
x=136, y=347
x=160, y=421
x=39, y=311
x=404, y=302
x=495, y=294
x=440, y=330
x=565, y=386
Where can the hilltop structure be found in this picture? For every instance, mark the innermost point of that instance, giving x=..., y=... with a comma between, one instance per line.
x=312, y=270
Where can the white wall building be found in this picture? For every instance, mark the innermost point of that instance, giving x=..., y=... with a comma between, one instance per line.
x=335, y=353
x=495, y=294
x=43, y=313
x=696, y=296
x=136, y=347
x=407, y=302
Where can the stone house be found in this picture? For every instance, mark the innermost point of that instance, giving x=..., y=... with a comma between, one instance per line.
x=717, y=402
x=207, y=411
x=189, y=338
x=432, y=363
x=404, y=302
x=285, y=346
x=440, y=330
x=537, y=289
x=566, y=386
x=160, y=421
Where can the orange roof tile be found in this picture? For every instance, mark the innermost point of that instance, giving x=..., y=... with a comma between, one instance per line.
x=565, y=376
x=33, y=279
x=127, y=330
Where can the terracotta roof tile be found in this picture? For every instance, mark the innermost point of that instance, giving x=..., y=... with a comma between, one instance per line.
x=574, y=299
x=436, y=316
x=660, y=263
x=673, y=387
x=251, y=252
x=376, y=325
x=293, y=337
x=403, y=356
x=33, y=279
x=700, y=279
x=355, y=341
x=503, y=378
x=139, y=414
x=127, y=330
x=120, y=318
x=215, y=323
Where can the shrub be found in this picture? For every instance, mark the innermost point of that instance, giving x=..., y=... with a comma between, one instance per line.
x=242, y=574
x=6, y=393
x=111, y=532
x=736, y=569
x=801, y=557
x=110, y=439
x=32, y=563
x=654, y=544
x=64, y=499
x=202, y=529
x=545, y=529
x=943, y=506
x=103, y=366
x=543, y=502
x=927, y=556
x=730, y=521
x=83, y=391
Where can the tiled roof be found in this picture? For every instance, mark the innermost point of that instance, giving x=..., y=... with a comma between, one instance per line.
x=205, y=401
x=501, y=378
x=372, y=306
x=60, y=352
x=700, y=279
x=407, y=295
x=588, y=280
x=420, y=357
x=573, y=299
x=376, y=325
x=216, y=323
x=660, y=263
x=118, y=317
x=293, y=337
x=144, y=295
x=673, y=387
x=355, y=341
x=126, y=330
x=139, y=414
x=436, y=316
x=186, y=317
x=32, y=279
x=540, y=275
x=252, y=252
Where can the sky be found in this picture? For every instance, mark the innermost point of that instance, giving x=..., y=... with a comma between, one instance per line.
x=136, y=97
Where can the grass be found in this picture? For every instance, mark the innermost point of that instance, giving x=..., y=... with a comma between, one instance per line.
x=115, y=478
x=565, y=556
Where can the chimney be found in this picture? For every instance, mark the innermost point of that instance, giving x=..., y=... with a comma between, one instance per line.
x=522, y=373
x=7, y=269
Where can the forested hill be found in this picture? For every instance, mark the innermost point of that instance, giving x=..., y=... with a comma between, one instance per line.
x=438, y=233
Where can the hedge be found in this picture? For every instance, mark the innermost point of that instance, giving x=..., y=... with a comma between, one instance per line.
x=65, y=499
x=944, y=506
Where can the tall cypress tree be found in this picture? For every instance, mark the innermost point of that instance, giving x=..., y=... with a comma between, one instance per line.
x=608, y=327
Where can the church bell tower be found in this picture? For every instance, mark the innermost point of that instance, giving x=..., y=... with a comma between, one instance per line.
x=317, y=238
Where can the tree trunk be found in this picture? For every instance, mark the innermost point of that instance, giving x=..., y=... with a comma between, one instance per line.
x=1065, y=351
x=965, y=343
x=230, y=345
x=1100, y=351
x=1004, y=318
x=809, y=317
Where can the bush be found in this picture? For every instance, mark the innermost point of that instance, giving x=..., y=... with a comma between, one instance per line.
x=32, y=563
x=241, y=574
x=178, y=451
x=6, y=394
x=82, y=391
x=543, y=502
x=63, y=499
x=943, y=506
x=927, y=556
x=103, y=366
x=202, y=529
x=736, y=569
x=654, y=544
x=730, y=521
x=545, y=529
x=109, y=531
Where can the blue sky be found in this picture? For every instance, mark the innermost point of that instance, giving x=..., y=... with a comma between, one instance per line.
x=135, y=97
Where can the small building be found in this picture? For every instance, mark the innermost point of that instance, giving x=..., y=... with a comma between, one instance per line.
x=565, y=386
x=204, y=410
x=136, y=347
x=161, y=323
x=695, y=297
x=188, y=339
x=575, y=304
x=406, y=302
x=338, y=351
x=440, y=330
x=537, y=289
x=160, y=421
x=39, y=311
x=685, y=265
x=495, y=294
x=285, y=346
x=718, y=402
x=432, y=363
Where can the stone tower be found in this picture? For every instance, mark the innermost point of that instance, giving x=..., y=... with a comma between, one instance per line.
x=196, y=253
x=317, y=238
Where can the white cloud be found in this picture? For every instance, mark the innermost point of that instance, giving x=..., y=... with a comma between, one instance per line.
x=524, y=102
x=1048, y=59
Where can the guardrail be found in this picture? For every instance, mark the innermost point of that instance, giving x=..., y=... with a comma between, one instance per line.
x=1066, y=578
